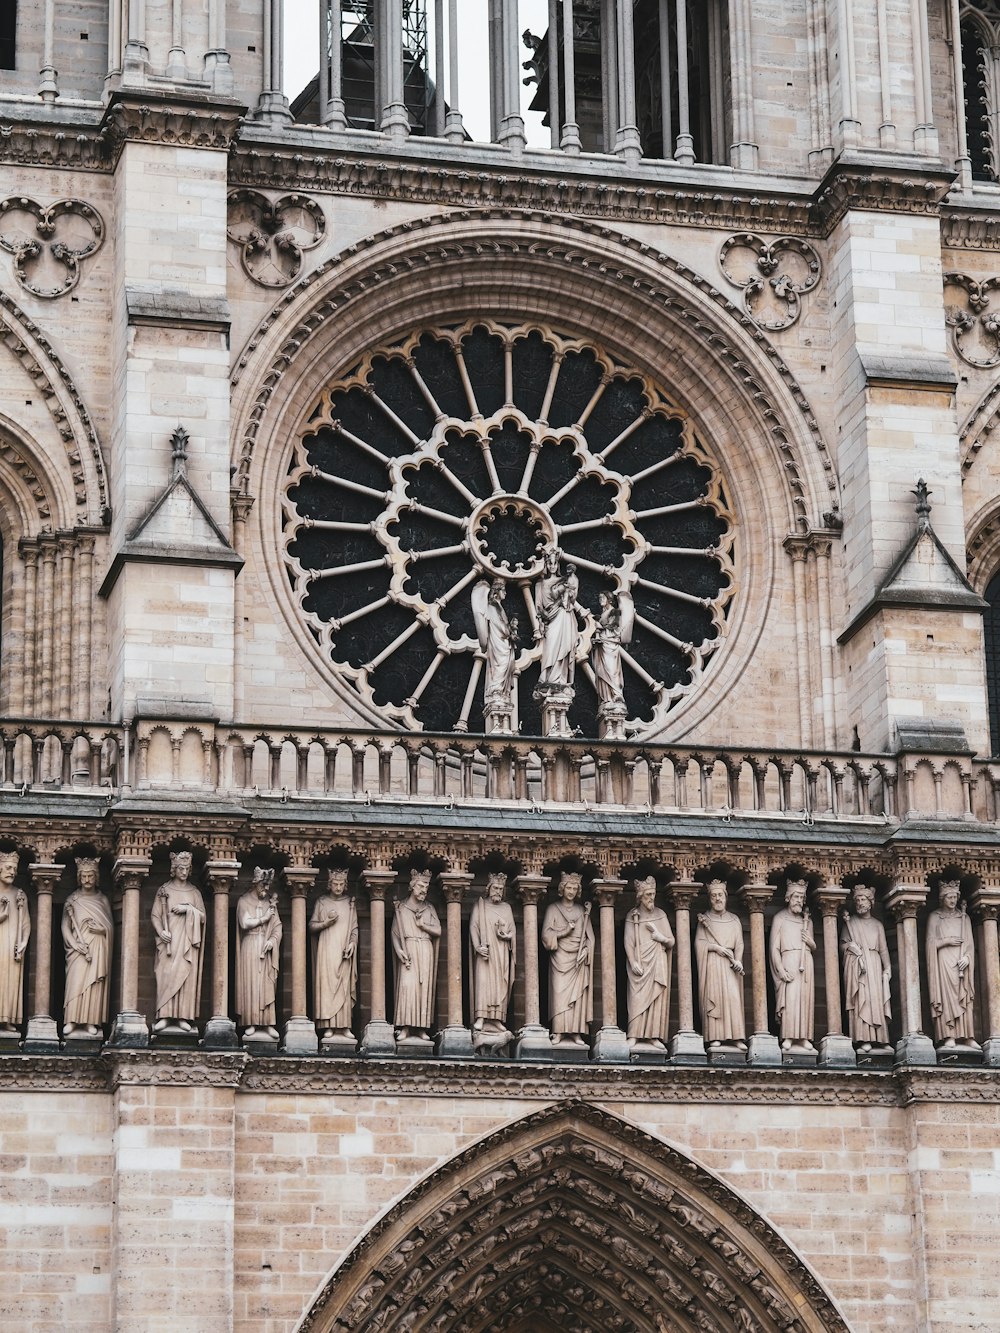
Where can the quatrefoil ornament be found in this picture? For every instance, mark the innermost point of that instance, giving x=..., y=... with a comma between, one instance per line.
x=49, y=243
x=774, y=276
x=975, y=330
x=273, y=234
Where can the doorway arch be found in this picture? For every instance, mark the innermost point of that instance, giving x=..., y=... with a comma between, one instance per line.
x=572, y=1218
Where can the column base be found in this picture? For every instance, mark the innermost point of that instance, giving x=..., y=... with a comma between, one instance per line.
x=220, y=1034
x=991, y=1051
x=454, y=1043
x=687, y=1048
x=344, y=1048
x=648, y=1052
x=837, y=1053
x=129, y=1030
x=300, y=1037
x=533, y=1043
x=915, y=1049
x=378, y=1040
x=764, y=1051
x=611, y=1047
x=42, y=1035
x=728, y=1055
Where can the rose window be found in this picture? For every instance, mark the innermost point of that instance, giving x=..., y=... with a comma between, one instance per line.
x=460, y=455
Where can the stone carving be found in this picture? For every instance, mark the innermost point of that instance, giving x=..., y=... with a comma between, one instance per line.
x=774, y=276
x=88, y=929
x=273, y=234
x=614, y=627
x=556, y=610
x=569, y=938
x=258, y=958
x=15, y=928
x=48, y=243
x=867, y=972
x=498, y=639
x=492, y=942
x=975, y=334
x=718, y=947
x=792, y=945
x=178, y=918
x=334, y=928
x=649, y=944
x=951, y=969
x=416, y=935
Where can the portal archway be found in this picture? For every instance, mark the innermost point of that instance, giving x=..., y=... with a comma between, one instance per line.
x=572, y=1218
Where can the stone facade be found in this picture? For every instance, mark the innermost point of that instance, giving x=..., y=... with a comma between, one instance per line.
x=277, y=388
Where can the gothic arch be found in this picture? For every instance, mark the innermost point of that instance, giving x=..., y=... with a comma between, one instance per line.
x=572, y=1218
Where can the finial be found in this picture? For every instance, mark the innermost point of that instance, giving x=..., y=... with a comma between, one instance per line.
x=178, y=443
x=923, y=502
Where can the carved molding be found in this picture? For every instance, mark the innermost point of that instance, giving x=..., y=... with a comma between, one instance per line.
x=81, y=147
x=49, y=243
x=146, y=117
x=273, y=234
x=774, y=276
x=975, y=330
x=448, y=248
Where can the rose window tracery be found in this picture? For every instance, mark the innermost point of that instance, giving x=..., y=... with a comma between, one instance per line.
x=462, y=454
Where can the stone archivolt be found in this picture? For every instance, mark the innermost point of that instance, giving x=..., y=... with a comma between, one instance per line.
x=572, y=1207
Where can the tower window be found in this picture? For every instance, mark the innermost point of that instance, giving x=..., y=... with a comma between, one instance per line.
x=991, y=636
x=8, y=33
x=980, y=32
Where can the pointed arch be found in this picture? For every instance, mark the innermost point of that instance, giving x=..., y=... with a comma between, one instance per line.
x=571, y=1217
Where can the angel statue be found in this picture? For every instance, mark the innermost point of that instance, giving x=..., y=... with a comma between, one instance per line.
x=615, y=621
x=498, y=640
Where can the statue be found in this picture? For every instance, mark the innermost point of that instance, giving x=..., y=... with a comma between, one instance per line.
x=257, y=961
x=867, y=972
x=951, y=969
x=718, y=947
x=88, y=930
x=416, y=934
x=556, y=607
x=334, y=928
x=491, y=946
x=178, y=918
x=614, y=627
x=498, y=640
x=792, y=947
x=569, y=938
x=15, y=927
x=649, y=944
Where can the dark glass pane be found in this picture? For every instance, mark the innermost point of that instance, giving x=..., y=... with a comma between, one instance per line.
x=531, y=360
x=484, y=360
x=435, y=360
x=392, y=381
x=579, y=376
x=618, y=406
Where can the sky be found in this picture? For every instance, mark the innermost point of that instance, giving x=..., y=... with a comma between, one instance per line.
x=301, y=63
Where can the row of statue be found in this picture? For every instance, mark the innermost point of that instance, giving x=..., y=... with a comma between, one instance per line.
x=179, y=922
x=557, y=613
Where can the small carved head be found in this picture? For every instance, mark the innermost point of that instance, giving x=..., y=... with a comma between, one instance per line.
x=864, y=899
x=498, y=591
x=496, y=886
x=550, y=559
x=645, y=891
x=718, y=895
x=420, y=882
x=336, y=882
x=8, y=867
x=795, y=895
x=180, y=865
x=570, y=885
x=87, y=872
x=949, y=894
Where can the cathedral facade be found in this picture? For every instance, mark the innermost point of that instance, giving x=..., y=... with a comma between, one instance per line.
x=500, y=666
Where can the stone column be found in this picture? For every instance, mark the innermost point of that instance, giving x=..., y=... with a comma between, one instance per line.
x=378, y=1037
x=627, y=145
x=985, y=902
x=611, y=1044
x=391, y=116
x=687, y=1047
x=300, y=1030
x=836, y=1050
x=273, y=104
x=765, y=1048
x=130, y=1027
x=42, y=1033
x=914, y=1046
x=220, y=1030
x=534, y=1042
x=454, y=1042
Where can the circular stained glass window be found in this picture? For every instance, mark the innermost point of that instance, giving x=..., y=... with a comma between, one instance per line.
x=460, y=455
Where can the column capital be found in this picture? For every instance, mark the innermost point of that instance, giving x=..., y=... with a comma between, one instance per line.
x=828, y=898
x=682, y=893
x=532, y=888
x=985, y=902
x=608, y=891
x=299, y=879
x=378, y=883
x=757, y=896
x=454, y=883
x=905, y=900
x=45, y=875
x=130, y=871
x=221, y=875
